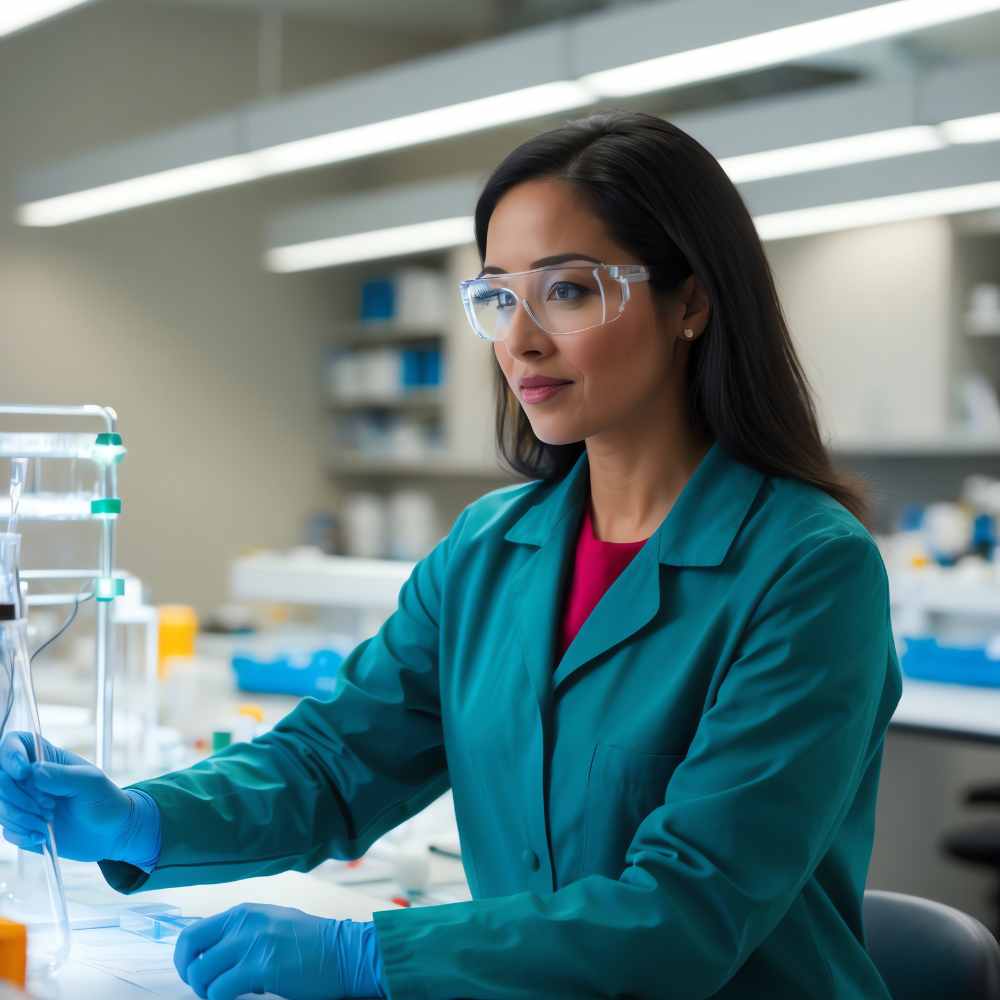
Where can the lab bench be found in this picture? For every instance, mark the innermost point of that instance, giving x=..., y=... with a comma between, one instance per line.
x=113, y=964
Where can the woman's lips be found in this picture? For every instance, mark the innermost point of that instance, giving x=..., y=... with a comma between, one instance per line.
x=539, y=393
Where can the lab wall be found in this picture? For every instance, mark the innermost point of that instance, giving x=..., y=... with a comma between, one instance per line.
x=165, y=312
x=869, y=310
x=214, y=364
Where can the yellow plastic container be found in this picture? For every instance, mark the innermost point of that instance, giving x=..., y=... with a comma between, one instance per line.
x=178, y=629
x=13, y=952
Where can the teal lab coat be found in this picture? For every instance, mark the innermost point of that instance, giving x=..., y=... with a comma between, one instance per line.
x=683, y=806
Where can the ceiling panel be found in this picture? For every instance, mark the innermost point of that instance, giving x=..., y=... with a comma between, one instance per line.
x=432, y=17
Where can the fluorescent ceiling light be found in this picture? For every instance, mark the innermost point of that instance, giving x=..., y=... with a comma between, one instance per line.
x=299, y=254
x=832, y=153
x=338, y=146
x=442, y=233
x=144, y=190
x=263, y=141
x=875, y=211
x=979, y=128
x=17, y=14
x=393, y=242
x=424, y=126
x=781, y=45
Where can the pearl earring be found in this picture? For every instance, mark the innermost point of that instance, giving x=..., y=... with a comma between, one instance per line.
x=689, y=334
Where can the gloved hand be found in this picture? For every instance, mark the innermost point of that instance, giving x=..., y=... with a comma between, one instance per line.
x=93, y=819
x=253, y=948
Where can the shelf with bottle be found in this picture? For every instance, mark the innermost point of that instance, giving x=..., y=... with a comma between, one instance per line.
x=982, y=319
x=440, y=463
x=382, y=360
x=418, y=400
x=955, y=442
x=378, y=332
x=384, y=375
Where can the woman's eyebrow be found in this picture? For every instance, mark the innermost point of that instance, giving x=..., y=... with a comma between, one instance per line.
x=542, y=262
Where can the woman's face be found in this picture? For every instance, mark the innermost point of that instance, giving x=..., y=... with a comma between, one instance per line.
x=620, y=372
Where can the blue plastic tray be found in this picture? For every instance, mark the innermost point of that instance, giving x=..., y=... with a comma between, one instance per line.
x=925, y=659
x=316, y=676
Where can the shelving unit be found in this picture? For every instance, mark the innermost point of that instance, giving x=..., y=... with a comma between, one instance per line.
x=464, y=465
x=418, y=400
x=941, y=593
x=384, y=333
x=991, y=329
x=955, y=442
x=354, y=464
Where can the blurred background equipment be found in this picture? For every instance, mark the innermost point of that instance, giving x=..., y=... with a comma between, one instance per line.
x=244, y=223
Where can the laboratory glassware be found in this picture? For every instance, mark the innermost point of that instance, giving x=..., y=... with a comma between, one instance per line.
x=32, y=890
x=80, y=485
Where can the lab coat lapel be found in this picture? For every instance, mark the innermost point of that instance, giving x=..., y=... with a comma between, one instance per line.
x=537, y=588
x=697, y=531
x=631, y=601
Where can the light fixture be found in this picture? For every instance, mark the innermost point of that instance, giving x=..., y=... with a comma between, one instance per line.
x=145, y=190
x=768, y=48
x=442, y=233
x=424, y=126
x=18, y=14
x=832, y=153
x=876, y=211
x=394, y=241
x=414, y=217
x=977, y=128
x=539, y=72
x=947, y=181
x=501, y=80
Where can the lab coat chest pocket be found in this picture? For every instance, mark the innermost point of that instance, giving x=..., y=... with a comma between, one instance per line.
x=623, y=787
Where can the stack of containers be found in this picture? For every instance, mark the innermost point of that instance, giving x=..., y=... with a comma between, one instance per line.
x=946, y=594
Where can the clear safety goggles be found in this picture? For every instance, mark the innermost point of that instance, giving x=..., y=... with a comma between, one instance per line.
x=559, y=298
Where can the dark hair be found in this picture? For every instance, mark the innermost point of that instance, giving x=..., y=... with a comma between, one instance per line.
x=666, y=199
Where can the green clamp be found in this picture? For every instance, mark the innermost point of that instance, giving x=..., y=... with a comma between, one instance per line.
x=221, y=738
x=107, y=588
x=108, y=447
x=106, y=507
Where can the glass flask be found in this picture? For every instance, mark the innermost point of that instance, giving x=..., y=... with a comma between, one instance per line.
x=31, y=889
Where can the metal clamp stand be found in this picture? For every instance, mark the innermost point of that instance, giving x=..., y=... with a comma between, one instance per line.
x=105, y=450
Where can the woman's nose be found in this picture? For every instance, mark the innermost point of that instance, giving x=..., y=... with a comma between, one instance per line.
x=523, y=333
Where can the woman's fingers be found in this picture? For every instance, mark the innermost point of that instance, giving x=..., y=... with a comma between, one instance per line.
x=32, y=842
x=196, y=939
x=16, y=797
x=25, y=822
x=60, y=780
x=209, y=965
x=233, y=984
x=27, y=829
x=15, y=757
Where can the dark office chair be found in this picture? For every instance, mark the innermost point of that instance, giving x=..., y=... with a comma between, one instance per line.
x=928, y=951
x=978, y=843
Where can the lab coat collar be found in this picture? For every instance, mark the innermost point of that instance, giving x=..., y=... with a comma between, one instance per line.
x=697, y=531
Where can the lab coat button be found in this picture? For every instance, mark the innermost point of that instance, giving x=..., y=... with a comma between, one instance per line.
x=531, y=859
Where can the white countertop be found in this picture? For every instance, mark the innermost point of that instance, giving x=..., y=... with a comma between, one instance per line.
x=111, y=964
x=959, y=710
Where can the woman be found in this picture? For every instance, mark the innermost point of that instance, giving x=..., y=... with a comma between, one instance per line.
x=657, y=676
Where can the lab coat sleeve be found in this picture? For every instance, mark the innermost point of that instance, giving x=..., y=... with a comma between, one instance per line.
x=747, y=816
x=329, y=778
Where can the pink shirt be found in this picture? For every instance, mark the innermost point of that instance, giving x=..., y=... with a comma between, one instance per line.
x=596, y=566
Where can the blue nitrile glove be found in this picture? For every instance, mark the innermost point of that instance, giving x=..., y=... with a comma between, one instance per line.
x=93, y=819
x=254, y=948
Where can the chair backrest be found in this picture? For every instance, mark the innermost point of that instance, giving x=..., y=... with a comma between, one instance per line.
x=926, y=950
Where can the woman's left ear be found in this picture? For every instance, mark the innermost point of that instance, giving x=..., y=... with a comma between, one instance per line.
x=696, y=307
